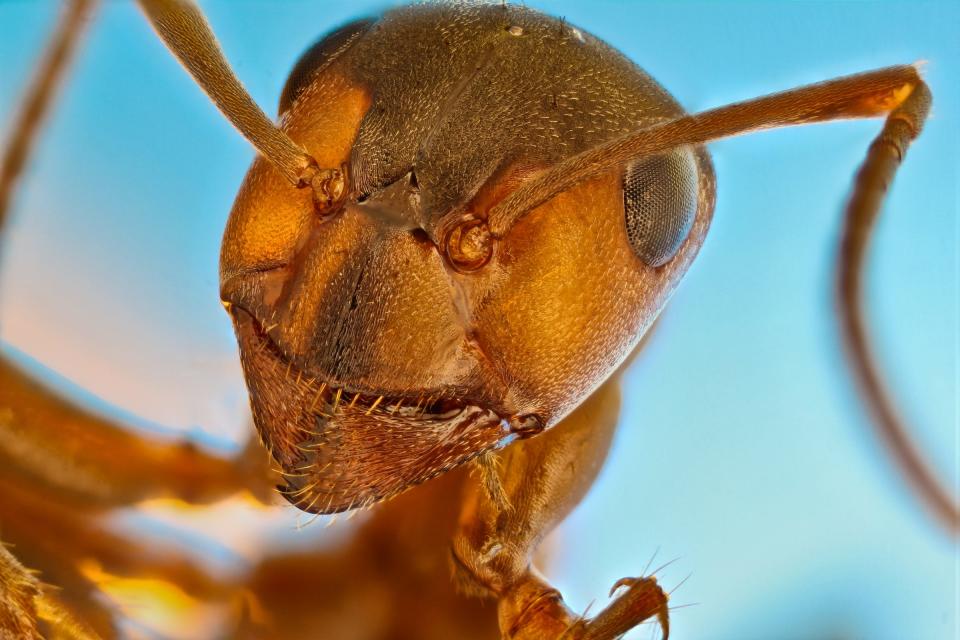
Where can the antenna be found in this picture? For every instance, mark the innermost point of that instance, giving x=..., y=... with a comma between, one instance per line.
x=185, y=31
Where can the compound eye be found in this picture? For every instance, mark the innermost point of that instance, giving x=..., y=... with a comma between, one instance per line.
x=319, y=56
x=660, y=203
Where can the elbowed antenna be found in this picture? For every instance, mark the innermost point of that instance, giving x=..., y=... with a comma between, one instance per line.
x=897, y=92
x=185, y=31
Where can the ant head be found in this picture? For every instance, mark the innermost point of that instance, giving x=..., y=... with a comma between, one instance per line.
x=399, y=332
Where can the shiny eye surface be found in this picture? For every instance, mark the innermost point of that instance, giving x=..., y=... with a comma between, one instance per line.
x=318, y=56
x=660, y=203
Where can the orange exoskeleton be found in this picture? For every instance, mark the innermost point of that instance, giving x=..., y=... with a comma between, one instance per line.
x=463, y=225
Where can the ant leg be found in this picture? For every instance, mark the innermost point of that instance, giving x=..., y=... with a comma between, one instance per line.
x=643, y=599
x=36, y=522
x=542, y=479
x=536, y=611
x=48, y=442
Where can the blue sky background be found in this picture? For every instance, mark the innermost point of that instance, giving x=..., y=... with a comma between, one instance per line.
x=742, y=449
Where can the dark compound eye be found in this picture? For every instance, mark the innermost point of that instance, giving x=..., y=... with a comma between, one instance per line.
x=660, y=203
x=319, y=56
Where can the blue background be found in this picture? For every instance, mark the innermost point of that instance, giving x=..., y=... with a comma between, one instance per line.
x=742, y=449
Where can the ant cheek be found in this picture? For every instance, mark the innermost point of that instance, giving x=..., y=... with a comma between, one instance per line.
x=268, y=221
